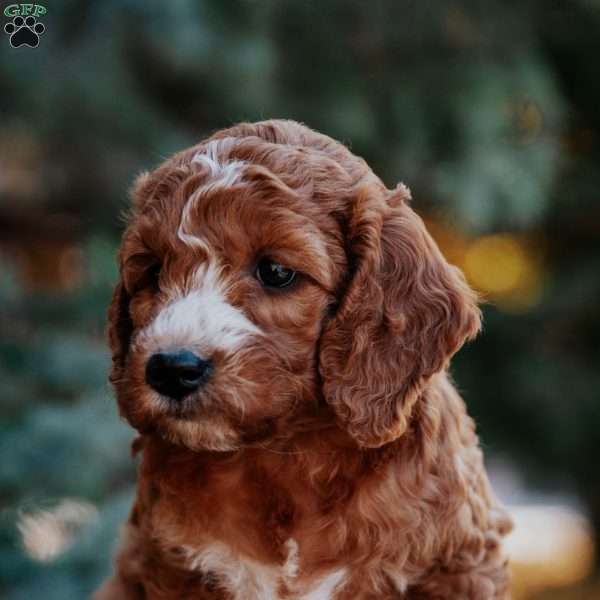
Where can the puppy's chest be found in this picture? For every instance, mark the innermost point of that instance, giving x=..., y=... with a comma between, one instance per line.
x=243, y=556
x=240, y=577
x=247, y=537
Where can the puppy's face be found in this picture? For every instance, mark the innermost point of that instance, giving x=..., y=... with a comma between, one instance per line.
x=265, y=280
x=228, y=274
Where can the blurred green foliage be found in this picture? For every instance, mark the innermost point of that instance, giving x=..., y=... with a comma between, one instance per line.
x=487, y=110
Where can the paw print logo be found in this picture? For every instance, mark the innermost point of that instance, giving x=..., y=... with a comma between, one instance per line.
x=24, y=32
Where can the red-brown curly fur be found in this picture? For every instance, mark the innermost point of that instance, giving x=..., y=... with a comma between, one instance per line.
x=330, y=455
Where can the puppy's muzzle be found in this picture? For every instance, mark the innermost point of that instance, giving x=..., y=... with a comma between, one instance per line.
x=177, y=374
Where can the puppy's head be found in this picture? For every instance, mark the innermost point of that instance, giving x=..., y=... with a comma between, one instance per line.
x=269, y=281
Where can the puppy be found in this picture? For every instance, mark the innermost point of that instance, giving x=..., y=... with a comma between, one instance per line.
x=280, y=337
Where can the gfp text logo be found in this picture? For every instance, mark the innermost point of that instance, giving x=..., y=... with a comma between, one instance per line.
x=24, y=29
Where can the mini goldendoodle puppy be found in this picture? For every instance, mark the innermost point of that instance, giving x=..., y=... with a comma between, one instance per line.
x=280, y=338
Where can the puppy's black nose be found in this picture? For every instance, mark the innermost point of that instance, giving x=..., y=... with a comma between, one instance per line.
x=177, y=374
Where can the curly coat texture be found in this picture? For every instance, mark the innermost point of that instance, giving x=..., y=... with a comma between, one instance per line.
x=329, y=456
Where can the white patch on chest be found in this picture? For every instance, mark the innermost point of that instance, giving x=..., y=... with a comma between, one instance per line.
x=244, y=579
x=247, y=579
x=291, y=565
x=326, y=587
x=399, y=580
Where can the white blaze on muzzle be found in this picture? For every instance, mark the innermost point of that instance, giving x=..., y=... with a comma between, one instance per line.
x=200, y=319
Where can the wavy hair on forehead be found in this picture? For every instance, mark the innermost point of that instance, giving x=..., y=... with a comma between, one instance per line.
x=300, y=157
x=295, y=135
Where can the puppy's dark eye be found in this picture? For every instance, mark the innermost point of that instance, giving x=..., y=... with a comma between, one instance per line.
x=274, y=275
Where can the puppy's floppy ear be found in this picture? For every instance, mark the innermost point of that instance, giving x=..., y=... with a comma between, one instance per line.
x=405, y=312
x=120, y=328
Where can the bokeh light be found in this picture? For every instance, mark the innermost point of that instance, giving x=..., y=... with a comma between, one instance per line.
x=505, y=270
